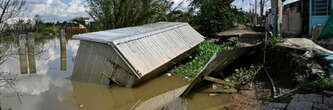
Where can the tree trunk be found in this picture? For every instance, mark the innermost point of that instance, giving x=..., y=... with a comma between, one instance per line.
x=255, y=12
x=262, y=6
x=277, y=9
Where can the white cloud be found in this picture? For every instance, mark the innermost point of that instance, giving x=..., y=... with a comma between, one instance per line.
x=31, y=85
x=60, y=10
x=55, y=10
x=38, y=92
x=183, y=4
x=248, y=5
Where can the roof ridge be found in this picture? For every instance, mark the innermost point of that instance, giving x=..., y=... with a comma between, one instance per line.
x=142, y=35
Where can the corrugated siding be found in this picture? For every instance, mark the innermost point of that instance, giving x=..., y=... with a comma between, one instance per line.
x=149, y=53
x=94, y=64
x=143, y=49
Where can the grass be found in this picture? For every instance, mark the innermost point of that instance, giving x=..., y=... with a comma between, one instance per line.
x=49, y=28
x=37, y=35
x=41, y=36
x=203, y=52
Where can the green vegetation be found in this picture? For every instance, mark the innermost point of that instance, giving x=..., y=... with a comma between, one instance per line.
x=244, y=75
x=317, y=85
x=203, y=52
x=275, y=40
x=241, y=76
x=216, y=16
x=48, y=27
x=207, y=16
x=110, y=14
x=37, y=35
x=322, y=82
x=40, y=36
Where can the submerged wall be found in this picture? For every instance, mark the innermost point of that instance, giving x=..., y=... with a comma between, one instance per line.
x=99, y=63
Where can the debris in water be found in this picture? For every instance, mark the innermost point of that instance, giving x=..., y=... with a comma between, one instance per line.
x=169, y=74
x=308, y=54
x=218, y=62
x=81, y=105
x=212, y=94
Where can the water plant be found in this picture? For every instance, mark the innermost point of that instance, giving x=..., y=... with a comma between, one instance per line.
x=203, y=52
x=244, y=75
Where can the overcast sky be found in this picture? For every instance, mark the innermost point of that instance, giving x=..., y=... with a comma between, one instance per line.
x=60, y=10
x=55, y=10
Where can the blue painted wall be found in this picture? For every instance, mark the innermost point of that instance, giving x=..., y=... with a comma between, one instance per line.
x=317, y=20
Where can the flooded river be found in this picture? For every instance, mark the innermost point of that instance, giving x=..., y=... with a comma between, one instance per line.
x=36, y=75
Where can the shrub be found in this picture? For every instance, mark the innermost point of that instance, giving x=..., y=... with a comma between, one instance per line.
x=316, y=85
x=275, y=40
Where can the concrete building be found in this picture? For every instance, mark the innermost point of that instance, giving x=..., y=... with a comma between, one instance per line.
x=319, y=11
x=301, y=16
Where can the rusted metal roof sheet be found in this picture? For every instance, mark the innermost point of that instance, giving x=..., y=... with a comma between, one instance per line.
x=146, y=48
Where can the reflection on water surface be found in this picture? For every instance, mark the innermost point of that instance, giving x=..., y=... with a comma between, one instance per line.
x=40, y=71
x=53, y=57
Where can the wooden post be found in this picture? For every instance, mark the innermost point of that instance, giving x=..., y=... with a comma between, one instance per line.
x=63, y=51
x=218, y=81
x=31, y=53
x=22, y=51
x=262, y=7
x=255, y=12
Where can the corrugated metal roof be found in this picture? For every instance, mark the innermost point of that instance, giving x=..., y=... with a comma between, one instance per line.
x=148, y=47
x=129, y=33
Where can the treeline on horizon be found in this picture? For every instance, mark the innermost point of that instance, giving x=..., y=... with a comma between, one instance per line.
x=206, y=16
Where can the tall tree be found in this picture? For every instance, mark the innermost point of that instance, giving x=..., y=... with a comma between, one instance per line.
x=38, y=22
x=10, y=9
x=121, y=13
x=214, y=15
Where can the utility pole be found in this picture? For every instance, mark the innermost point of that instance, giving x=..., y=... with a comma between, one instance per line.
x=277, y=8
x=262, y=6
x=252, y=13
x=255, y=12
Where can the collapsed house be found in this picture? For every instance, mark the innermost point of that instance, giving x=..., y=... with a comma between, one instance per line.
x=131, y=55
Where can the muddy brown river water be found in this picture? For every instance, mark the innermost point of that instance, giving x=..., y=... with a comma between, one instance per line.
x=36, y=75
